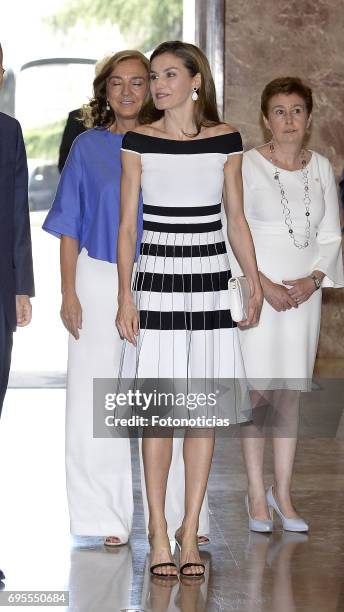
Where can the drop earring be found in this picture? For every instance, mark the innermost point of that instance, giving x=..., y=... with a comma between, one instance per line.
x=194, y=94
x=108, y=107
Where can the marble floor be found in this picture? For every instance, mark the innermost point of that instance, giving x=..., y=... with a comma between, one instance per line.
x=245, y=572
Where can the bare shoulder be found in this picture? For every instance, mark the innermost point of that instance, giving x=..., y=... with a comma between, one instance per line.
x=149, y=129
x=221, y=129
x=226, y=128
x=141, y=129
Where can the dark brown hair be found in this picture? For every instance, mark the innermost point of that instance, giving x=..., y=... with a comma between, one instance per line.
x=195, y=61
x=95, y=113
x=286, y=85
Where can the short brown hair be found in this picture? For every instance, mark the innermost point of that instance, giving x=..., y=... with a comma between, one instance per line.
x=286, y=85
x=195, y=61
x=95, y=114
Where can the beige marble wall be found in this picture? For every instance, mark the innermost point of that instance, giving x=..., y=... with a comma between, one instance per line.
x=265, y=39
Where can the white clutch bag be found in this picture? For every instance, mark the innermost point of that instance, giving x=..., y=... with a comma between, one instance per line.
x=239, y=294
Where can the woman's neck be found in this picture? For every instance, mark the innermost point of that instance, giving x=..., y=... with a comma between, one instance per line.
x=122, y=126
x=288, y=155
x=177, y=123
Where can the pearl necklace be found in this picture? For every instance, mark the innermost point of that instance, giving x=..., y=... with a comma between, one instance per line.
x=285, y=204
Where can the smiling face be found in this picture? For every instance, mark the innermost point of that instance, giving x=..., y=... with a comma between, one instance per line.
x=171, y=82
x=127, y=87
x=288, y=118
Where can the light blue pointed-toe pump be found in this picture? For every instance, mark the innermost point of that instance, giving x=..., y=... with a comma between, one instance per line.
x=289, y=524
x=262, y=526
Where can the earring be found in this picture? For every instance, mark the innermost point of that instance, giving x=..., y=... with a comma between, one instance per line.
x=194, y=94
x=108, y=107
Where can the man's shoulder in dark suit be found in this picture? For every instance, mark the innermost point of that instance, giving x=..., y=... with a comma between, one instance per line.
x=75, y=114
x=10, y=131
x=73, y=128
x=9, y=126
x=8, y=123
x=7, y=120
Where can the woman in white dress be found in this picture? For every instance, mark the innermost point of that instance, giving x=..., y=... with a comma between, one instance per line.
x=291, y=205
x=180, y=326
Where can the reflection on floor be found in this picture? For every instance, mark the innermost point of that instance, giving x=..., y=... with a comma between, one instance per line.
x=244, y=571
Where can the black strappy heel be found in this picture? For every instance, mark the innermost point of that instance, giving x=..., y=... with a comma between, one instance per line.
x=189, y=564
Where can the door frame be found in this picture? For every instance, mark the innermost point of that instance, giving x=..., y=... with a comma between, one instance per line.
x=210, y=37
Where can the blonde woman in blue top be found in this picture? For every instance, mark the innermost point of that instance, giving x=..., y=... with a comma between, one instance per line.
x=85, y=215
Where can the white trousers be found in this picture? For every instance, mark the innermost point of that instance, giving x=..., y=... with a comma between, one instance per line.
x=98, y=470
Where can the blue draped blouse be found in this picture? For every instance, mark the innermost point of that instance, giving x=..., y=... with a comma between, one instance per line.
x=87, y=202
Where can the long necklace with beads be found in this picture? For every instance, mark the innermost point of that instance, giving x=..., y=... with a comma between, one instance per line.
x=285, y=204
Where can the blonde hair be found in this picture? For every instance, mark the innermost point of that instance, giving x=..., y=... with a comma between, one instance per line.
x=95, y=113
x=98, y=66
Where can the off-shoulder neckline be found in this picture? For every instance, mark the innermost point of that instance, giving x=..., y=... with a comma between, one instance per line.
x=180, y=141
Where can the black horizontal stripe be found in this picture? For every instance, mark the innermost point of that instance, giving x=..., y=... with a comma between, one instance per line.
x=170, y=250
x=195, y=321
x=223, y=143
x=182, y=211
x=181, y=283
x=182, y=228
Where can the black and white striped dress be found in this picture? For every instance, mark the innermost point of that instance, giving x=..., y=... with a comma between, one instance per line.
x=181, y=281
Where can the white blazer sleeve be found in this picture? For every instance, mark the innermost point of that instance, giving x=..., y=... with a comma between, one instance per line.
x=329, y=236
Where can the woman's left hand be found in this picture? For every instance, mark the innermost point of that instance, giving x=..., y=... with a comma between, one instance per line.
x=301, y=289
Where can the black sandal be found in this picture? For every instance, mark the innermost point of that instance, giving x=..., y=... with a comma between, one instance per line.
x=182, y=573
x=179, y=544
x=167, y=564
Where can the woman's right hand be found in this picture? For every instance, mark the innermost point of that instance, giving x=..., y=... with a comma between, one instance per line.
x=71, y=313
x=127, y=320
x=277, y=296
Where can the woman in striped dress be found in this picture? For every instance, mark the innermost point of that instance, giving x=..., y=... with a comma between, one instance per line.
x=179, y=324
